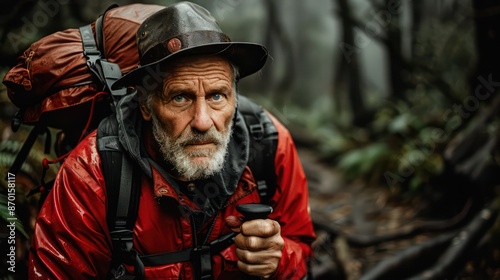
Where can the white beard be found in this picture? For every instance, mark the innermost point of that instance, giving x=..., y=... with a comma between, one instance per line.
x=173, y=150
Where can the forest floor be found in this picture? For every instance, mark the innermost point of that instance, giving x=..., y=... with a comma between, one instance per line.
x=356, y=209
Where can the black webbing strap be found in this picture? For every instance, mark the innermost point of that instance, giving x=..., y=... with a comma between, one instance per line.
x=26, y=148
x=123, y=193
x=264, y=139
x=190, y=254
x=98, y=30
x=203, y=262
x=23, y=153
x=111, y=158
x=167, y=258
x=90, y=49
x=99, y=35
x=200, y=257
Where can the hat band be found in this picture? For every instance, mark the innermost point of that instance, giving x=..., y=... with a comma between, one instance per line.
x=183, y=41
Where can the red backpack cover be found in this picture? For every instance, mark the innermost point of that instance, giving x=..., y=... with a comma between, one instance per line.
x=52, y=80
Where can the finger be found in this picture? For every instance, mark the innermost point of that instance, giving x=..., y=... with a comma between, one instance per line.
x=234, y=223
x=251, y=243
x=262, y=228
x=260, y=270
x=256, y=243
x=260, y=257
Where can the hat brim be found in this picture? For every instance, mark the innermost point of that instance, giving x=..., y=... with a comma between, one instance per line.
x=248, y=57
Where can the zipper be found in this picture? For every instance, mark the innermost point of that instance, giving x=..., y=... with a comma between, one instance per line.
x=212, y=225
x=29, y=60
x=27, y=82
x=229, y=203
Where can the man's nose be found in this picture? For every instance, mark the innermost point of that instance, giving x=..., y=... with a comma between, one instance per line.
x=202, y=120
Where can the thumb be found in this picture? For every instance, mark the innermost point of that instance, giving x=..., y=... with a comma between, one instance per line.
x=234, y=223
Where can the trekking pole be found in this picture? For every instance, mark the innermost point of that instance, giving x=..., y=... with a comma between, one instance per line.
x=250, y=211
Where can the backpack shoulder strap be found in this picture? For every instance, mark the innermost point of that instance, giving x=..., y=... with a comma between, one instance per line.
x=264, y=140
x=122, y=179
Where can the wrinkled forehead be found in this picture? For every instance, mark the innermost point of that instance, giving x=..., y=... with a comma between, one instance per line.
x=187, y=68
x=189, y=73
x=199, y=64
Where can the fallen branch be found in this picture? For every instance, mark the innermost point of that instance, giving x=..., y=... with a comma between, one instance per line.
x=410, y=260
x=462, y=245
x=419, y=227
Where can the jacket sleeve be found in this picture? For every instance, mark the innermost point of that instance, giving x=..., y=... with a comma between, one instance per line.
x=291, y=208
x=70, y=240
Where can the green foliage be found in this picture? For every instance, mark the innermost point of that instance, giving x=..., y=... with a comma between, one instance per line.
x=362, y=161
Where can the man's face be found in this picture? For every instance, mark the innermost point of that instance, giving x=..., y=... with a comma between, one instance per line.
x=192, y=117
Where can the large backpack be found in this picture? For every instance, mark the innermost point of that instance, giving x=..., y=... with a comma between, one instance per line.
x=74, y=95
x=62, y=81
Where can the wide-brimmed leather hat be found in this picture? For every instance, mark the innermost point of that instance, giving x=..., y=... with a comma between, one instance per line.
x=181, y=30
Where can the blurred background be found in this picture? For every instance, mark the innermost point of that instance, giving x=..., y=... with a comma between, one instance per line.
x=394, y=109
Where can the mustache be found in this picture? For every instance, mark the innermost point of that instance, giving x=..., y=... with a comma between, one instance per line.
x=194, y=138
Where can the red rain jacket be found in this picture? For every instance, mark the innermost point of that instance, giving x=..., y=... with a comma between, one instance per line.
x=71, y=234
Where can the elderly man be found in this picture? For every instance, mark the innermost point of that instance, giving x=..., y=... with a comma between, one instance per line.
x=187, y=137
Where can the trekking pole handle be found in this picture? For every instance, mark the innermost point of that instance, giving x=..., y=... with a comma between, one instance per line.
x=250, y=211
x=254, y=211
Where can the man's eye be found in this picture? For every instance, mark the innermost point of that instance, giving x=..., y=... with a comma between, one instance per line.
x=179, y=98
x=217, y=97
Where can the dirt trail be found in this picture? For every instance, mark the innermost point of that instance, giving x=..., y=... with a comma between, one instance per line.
x=353, y=208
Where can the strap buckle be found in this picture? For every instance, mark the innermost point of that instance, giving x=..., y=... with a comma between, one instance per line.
x=109, y=73
x=201, y=250
x=124, y=237
x=203, y=258
x=257, y=131
x=119, y=272
x=89, y=46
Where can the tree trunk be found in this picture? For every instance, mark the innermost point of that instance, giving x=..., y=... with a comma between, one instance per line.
x=396, y=63
x=416, y=10
x=348, y=79
x=277, y=40
x=267, y=72
x=487, y=15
